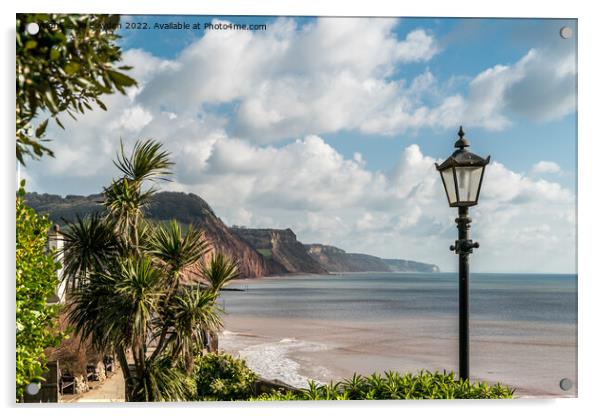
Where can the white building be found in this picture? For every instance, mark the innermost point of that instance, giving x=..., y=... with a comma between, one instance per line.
x=55, y=244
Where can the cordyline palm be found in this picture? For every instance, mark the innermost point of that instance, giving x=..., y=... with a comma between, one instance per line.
x=130, y=299
x=176, y=251
x=218, y=272
x=90, y=245
x=192, y=311
x=124, y=198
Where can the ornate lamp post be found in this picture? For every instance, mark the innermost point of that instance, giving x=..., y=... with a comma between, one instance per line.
x=462, y=175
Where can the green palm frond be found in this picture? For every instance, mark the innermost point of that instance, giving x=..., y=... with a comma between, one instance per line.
x=116, y=308
x=124, y=201
x=191, y=312
x=89, y=246
x=219, y=271
x=139, y=284
x=175, y=250
x=96, y=313
x=130, y=298
x=354, y=386
x=147, y=161
x=145, y=229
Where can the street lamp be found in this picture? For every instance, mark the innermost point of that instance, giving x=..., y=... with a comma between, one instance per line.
x=462, y=176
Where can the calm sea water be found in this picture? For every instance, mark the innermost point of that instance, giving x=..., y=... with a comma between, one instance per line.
x=387, y=296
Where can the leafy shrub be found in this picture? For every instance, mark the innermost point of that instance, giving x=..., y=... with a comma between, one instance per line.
x=223, y=377
x=163, y=382
x=395, y=386
x=36, y=280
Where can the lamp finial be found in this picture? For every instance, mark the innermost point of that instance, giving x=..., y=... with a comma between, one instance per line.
x=461, y=143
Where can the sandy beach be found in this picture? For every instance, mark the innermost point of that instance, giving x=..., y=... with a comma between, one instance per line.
x=293, y=350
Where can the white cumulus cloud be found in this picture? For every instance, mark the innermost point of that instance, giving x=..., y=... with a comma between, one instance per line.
x=261, y=159
x=545, y=166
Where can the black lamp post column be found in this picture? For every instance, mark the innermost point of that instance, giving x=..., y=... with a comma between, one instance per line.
x=463, y=247
x=462, y=176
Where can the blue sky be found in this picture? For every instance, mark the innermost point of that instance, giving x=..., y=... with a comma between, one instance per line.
x=332, y=126
x=471, y=45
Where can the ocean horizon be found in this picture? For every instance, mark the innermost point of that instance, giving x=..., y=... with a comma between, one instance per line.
x=373, y=296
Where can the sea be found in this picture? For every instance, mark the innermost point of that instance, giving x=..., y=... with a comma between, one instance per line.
x=533, y=316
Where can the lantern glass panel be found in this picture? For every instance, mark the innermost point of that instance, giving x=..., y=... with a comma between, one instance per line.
x=469, y=179
x=450, y=186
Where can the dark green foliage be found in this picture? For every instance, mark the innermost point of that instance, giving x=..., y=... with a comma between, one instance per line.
x=98, y=313
x=395, y=386
x=186, y=209
x=192, y=311
x=223, y=377
x=65, y=68
x=176, y=249
x=90, y=245
x=63, y=210
x=163, y=382
x=129, y=298
x=36, y=281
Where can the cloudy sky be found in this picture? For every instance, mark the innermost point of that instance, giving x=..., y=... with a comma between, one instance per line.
x=332, y=126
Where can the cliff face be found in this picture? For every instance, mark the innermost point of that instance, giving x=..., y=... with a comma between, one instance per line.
x=397, y=265
x=192, y=209
x=164, y=206
x=336, y=260
x=282, y=248
x=259, y=252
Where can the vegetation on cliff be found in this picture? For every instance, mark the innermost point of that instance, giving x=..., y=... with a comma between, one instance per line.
x=281, y=247
x=260, y=252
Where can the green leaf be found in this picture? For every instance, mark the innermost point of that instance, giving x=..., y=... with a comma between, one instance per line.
x=50, y=101
x=72, y=67
x=120, y=79
x=41, y=128
x=101, y=104
x=54, y=53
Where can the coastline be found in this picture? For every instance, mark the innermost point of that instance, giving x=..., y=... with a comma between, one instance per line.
x=246, y=280
x=295, y=350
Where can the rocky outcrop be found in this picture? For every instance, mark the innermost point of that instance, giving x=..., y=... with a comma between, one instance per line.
x=336, y=260
x=164, y=206
x=282, y=249
x=397, y=265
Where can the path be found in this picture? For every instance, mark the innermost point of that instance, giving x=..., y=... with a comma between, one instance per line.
x=112, y=390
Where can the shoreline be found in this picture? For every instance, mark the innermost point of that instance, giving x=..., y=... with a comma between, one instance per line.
x=295, y=350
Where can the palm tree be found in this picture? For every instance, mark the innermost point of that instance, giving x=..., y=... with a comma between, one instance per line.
x=175, y=251
x=218, y=272
x=129, y=299
x=90, y=246
x=125, y=199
